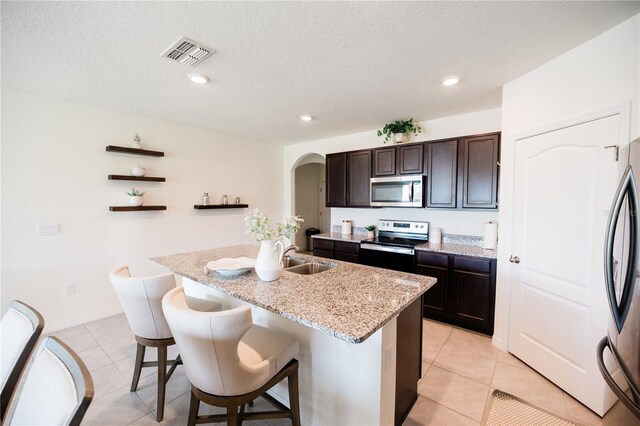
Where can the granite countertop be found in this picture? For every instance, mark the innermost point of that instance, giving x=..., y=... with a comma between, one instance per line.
x=459, y=249
x=449, y=248
x=350, y=301
x=336, y=236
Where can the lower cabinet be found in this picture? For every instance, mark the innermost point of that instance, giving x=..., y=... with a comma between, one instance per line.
x=339, y=250
x=465, y=292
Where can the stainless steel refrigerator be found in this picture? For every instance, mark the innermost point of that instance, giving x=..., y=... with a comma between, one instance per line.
x=622, y=279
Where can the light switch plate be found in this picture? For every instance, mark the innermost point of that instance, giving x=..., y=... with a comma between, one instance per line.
x=44, y=229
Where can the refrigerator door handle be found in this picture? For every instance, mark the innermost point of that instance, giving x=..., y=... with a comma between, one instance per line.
x=626, y=188
x=628, y=402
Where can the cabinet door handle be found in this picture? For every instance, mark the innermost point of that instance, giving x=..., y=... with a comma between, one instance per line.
x=514, y=259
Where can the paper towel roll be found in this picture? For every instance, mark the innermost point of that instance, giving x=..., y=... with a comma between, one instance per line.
x=346, y=227
x=490, y=236
x=436, y=236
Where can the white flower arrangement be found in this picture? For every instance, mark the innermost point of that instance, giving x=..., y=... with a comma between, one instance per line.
x=259, y=226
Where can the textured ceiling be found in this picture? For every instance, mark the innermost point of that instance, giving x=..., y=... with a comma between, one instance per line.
x=352, y=65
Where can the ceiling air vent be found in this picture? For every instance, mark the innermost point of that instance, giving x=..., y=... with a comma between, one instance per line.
x=188, y=52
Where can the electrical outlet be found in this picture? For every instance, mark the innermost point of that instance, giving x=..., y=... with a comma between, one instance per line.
x=44, y=229
x=465, y=225
x=70, y=289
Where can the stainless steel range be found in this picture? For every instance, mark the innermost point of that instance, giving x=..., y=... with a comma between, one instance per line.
x=394, y=247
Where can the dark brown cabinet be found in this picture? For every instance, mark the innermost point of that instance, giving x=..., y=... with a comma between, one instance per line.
x=461, y=173
x=339, y=250
x=465, y=292
x=411, y=159
x=442, y=180
x=347, y=179
x=358, y=176
x=400, y=160
x=480, y=171
x=336, y=179
x=384, y=162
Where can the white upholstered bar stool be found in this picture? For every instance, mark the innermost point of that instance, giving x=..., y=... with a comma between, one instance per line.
x=58, y=388
x=141, y=299
x=21, y=328
x=230, y=361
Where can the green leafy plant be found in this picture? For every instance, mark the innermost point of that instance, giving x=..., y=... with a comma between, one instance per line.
x=259, y=226
x=135, y=193
x=371, y=227
x=137, y=138
x=399, y=126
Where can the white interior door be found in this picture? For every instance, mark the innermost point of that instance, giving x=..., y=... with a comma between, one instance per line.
x=564, y=181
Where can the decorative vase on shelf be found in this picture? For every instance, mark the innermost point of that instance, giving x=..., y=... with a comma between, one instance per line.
x=135, y=200
x=398, y=137
x=269, y=260
x=371, y=234
x=138, y=171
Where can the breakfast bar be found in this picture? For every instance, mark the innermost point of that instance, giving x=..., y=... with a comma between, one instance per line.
x=359, y=329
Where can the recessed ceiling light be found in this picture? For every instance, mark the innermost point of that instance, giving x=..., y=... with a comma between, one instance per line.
x=306, y=117
x=450, y=81
x=198, y=78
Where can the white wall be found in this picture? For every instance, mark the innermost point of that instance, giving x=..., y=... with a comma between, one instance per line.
x=600, y=73
x=54, y=170
x=452, y=222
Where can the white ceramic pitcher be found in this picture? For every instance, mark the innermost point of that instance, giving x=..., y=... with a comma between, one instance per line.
x=269, y=260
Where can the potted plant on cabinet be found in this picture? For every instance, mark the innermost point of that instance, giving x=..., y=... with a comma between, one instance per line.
x=371, y=231
x=398, y=129
x=135, y=197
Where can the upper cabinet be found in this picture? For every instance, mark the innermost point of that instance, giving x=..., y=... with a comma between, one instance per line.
x=399, y=160
x=480, y=171
x=411, y=159
x=347, y=179
x=442, y=182
x=384, y=161
x=336, y=179
x=358, y=176
x=461, y=172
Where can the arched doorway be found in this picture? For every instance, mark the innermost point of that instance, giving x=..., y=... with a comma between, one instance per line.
x=308, y=176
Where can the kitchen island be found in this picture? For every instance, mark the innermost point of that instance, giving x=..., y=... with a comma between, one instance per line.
x=352, y=323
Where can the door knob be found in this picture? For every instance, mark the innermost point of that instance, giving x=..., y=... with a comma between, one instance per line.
x=514, y=259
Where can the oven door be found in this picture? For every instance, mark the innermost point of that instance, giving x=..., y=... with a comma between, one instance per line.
x=388, y=257
x=397, y=191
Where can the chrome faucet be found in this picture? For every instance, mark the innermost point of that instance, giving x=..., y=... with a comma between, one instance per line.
x=287, y=250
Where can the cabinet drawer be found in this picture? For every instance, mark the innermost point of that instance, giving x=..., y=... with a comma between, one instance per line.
x=319, y=243
x=433, y=259
x=347, y=247
x=472, y=264
x=323, y=253
x=347, y=257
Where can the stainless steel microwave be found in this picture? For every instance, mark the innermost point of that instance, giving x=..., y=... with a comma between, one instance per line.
x=397, y=191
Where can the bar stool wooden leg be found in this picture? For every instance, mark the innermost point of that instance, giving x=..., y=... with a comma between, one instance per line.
x=294, y=401
x=137, y=368
x=162, y=372
x=232, y=415
x=194, y=405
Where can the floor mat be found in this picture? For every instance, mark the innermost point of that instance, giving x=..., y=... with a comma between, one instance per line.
x=506, y=409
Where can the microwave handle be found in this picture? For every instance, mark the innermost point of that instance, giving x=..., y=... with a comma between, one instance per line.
x=411, y=193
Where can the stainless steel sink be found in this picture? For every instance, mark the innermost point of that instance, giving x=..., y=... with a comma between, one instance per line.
x=310, y=268
x=289, y=262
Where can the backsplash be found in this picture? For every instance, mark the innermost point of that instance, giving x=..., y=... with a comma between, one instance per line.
x=468, y=240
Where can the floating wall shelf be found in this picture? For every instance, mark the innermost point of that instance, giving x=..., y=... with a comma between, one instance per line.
x=136, y=151
x=135, y=209
x=138, y=178
x=220, y=206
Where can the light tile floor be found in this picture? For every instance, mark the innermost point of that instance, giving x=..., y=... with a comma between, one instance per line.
x=460, y=370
